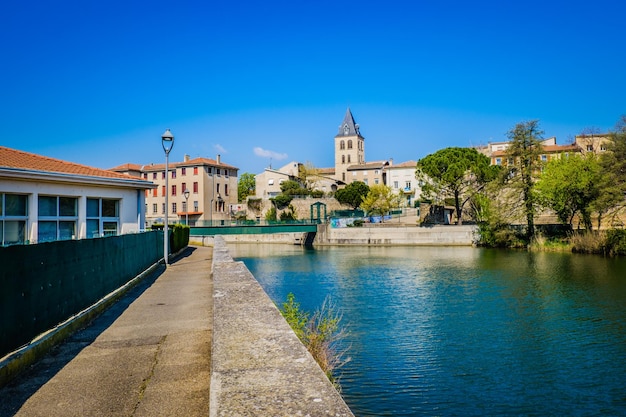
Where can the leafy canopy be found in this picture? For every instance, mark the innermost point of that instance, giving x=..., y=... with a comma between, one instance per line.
x=246, y=186
x=454, y=173
x=380, y=200
x=353, y=194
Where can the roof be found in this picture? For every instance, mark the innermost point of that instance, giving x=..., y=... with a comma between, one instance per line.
x=407, y=164
x=368, y=165
x=348, y=127
x=191, y=162
x=25, y=161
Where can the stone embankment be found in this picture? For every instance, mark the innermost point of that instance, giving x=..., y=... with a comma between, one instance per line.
x=259, y=366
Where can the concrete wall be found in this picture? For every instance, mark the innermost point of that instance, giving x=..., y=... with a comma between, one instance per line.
x=258, y=365
x=389, y=234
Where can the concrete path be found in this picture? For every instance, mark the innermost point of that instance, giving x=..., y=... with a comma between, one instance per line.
x=148, y=355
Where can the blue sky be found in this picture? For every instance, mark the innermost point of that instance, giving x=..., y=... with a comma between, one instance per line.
x=99, y=82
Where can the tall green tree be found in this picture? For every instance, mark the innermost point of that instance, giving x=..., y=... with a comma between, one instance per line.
x=352, y=194
x=456, y=173
x=246, y=186
x=524, y=164
x=570, y=186
x=380, y=200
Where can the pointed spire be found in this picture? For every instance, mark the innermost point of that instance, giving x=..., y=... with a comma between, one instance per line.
x=348, y=127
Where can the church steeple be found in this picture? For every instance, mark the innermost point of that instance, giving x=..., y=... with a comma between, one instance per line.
x=349, y=147
x=348, y=127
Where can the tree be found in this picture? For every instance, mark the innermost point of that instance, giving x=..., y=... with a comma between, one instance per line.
x=246, y=186
x=293, y=188
x=457, y=173
x=570, y=186
x=353, y=194
x=524, y=154
x=380, y=200
x=308, y=175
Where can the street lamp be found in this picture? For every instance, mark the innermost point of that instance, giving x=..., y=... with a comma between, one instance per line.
x=186, y=194
x=167, y=140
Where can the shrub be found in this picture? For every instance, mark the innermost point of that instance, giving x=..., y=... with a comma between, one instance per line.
x=588, y=242
x=320, y=333
x=615, y=242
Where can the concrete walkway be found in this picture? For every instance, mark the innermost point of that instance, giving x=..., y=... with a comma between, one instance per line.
x=148, y=355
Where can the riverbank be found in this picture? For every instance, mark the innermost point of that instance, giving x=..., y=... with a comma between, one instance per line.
x=386, y=234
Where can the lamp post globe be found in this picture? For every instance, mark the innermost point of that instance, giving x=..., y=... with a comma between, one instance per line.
x=167, y=141
x=186, y=194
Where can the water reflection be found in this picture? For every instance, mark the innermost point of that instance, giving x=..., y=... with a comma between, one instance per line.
x=464, y=331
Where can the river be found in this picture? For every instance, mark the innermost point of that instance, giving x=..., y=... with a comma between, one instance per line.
x=460, y=331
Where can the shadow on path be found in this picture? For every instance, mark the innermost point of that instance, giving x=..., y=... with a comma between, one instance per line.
x=18, y=391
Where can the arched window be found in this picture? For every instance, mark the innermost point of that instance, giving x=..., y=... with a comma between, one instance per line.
x=349, y=144
x=342, y=145
x=343, y=159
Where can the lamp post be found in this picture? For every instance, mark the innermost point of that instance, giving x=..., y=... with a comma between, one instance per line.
x=167, y=140
x=186, y=194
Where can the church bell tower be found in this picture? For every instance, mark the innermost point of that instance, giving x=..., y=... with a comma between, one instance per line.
x=349, y=147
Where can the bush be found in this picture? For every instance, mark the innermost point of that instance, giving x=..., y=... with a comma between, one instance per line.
x=317, y=193
x=588, y=242
x=615, y=242
x=320, y=333
x=179, y=238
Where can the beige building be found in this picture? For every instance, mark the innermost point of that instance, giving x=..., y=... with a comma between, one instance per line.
x=212, y=187
x=497, y=151
x=595, y=143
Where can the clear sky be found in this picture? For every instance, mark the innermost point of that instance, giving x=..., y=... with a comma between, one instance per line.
x=98, y=82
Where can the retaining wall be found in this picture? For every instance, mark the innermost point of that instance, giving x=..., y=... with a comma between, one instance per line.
x=389, y=234
x=258, y=365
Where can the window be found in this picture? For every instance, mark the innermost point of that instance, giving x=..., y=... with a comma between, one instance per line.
x=349, y=144
x=184, y=207
x=163, y=175
x=195, y=170
x=173, y=208
x=342, y=145
x=225, y=189
x=354, y=173
x=195, y=206
x=270, y=181
x=218, y=188
x=163, y=191
x=364, y=173
x=407, y=186
x=544, y=158
x=343, y=159
x=375, y=180
x=184, y=187
x=602, y=147
x=349, y=159
x=145, y=175
x=155, y=192
x=498, y=161
x=218, y=172
x=590, y=148
x=57, y=218
x=195, y=188
x=183, y=171
x=395, y=185
x=103, y=217
x=209, y=171
x=13, y=217
x=365, y=181
x=376, y=172
x=173, y=173
x=163, y=208
x=173, y=189
x=154, y=175
x=154, y=208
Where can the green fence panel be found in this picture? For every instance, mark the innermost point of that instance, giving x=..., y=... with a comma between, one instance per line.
x=43, y=285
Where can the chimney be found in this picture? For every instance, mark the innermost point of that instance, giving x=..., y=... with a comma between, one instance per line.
x=390, y=161
x=186, y=158
x=218, y=159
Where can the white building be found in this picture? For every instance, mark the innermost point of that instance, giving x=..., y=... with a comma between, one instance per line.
x=44, y=199
x=401, y=178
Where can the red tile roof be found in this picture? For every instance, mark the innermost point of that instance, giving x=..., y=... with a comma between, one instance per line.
x=12, y=158
x=191, y=162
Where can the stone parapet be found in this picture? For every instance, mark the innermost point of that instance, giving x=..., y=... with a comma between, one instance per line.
x=259, y=366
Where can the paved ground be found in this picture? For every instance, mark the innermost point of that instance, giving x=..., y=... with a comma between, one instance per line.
x=148, y=355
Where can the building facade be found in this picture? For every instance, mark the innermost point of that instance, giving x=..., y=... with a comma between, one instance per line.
x=212, y=187
x=44, y=199
x=402, y=181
